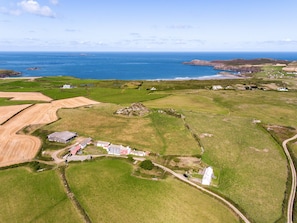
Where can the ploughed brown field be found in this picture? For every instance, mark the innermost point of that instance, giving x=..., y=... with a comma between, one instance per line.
x=16, y=148
x=24, y=96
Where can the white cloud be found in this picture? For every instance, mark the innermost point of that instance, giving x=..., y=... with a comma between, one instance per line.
x=54, y=2
x=33, y=7
x=4, y=10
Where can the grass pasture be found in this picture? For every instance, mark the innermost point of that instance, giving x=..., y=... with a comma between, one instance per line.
x=269, y=106
x=34, y=197
x=156, y=132
x=188, y=101
x=110, y=194
x=253, y=167
x=105, y=91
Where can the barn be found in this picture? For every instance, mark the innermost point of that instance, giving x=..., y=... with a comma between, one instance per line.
x=62, y=137
x=206, y=180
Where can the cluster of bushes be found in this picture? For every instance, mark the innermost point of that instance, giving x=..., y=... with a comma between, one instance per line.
x=147, y=165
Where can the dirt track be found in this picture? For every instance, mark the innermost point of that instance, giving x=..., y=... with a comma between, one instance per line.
x=21, y=148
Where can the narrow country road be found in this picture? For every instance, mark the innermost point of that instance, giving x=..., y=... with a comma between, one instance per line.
x=293, y=186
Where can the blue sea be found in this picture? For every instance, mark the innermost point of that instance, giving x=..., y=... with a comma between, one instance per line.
x=124, y=65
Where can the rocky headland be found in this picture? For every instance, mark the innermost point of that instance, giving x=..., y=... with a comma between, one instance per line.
x=241, y=66
x=9, y=73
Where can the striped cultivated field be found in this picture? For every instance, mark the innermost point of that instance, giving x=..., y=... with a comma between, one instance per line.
x=15, y=148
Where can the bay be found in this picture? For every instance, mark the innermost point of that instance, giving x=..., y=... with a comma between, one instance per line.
x=124, y=65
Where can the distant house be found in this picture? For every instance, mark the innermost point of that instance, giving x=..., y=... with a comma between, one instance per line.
x=62, y=137
x=85, y=142
x=207, y=176
x=102, y=144
x=67, y=86
x=217, y=87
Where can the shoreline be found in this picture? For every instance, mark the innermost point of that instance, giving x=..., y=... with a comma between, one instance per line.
x=30, y=78
x=219, y=76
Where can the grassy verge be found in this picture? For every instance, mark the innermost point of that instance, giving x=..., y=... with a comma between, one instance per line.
x=293, y=150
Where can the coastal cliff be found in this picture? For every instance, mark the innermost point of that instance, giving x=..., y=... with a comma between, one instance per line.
x=238, y=65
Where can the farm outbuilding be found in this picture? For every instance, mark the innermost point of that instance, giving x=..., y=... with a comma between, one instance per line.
x=62, y=137
x=75, y=149
x=85, y=142
x=206, y=180
x=103, y=144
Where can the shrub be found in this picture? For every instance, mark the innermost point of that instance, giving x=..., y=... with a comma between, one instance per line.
x=147, y=165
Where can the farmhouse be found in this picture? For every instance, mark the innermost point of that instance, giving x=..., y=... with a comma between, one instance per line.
x=137, y=153
x=85, y=142
x=206, y=180
x=62, y=137
x=102, y=144
x=118, y=150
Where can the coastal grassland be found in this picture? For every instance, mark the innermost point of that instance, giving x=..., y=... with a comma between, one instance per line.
x=34, y=197
x=113, y=91
x=156, y=132
x=253, y=166
x=170, y=85
x=270, y=71
x=109, y=193
x=110, y=95
x=188, y=101
x=20, y=85
x=268, y=106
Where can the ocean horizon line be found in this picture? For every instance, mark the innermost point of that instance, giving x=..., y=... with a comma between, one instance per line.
x=118, y=51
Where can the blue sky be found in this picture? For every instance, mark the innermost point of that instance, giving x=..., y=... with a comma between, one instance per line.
x=154, y=25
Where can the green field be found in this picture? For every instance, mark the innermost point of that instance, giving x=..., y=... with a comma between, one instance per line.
x=34, y=197
x=252, y=165
x=109, y=193
x=159, y=133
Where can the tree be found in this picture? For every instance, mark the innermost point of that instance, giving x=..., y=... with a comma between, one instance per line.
x=147, y=165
